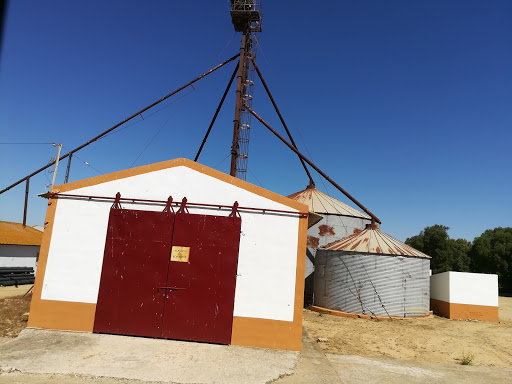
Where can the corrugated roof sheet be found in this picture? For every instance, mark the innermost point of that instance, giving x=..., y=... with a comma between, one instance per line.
x=320, y=202
x=15, y=233
x=374, y=241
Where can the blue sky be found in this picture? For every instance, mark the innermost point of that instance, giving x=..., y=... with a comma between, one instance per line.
x=406, y=104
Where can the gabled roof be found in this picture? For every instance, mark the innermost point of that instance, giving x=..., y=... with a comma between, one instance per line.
x=320, y=202
x=17, y=234
x=376, y=242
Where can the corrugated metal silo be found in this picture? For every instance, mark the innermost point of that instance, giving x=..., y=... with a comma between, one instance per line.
x=372, y=273
x=339, y=220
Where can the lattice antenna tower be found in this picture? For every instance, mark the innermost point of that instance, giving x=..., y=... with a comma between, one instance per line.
x=246, y=17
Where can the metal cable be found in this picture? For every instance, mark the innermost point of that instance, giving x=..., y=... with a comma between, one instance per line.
x=222, y=161
x=261, y=185
x=229, y=42
x=358, y=297
x=85, y=162
x=353, y=281
x=26, y=143
x=46, y=175
x=374, y=288
x=122, y=128
x=151, y=141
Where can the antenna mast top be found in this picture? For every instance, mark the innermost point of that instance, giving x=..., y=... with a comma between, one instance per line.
x=246, y=15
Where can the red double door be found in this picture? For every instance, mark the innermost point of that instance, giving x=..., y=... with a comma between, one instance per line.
x=169, y=276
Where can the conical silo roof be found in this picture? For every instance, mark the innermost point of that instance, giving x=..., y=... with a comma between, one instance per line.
x=320, y=202
x=373, y=240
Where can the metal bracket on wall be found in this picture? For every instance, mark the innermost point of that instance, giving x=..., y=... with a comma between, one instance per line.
x=117, y=202
x=168, y=206
x=183, y=206
x=234, y=211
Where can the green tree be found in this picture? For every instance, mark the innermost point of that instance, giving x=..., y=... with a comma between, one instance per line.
x=492, y=253
x=455, y=255
x=447, y=254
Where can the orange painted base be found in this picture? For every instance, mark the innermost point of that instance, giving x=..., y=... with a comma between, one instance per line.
x=61, y=315
x=263, y=333
x=465, y=311
x=249, y=332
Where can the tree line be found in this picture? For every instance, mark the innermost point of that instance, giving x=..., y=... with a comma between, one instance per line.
x=491, y=252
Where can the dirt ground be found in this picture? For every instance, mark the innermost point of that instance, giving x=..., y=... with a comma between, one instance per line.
x=13, y=291
x=14, y=310
x=436, y=339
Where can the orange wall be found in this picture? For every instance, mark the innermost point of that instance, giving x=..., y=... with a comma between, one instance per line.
x=465, y=311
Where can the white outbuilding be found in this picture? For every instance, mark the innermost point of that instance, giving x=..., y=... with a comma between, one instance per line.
x=173, y=250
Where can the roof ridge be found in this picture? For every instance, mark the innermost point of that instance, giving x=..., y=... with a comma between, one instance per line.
x=314, y=197
x=373, y=245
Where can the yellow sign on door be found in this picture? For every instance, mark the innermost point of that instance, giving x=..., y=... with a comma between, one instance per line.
x=180, y=254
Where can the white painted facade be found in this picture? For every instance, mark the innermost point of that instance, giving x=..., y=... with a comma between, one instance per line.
x=266, y=276
x=465, y=288
x=19, y=255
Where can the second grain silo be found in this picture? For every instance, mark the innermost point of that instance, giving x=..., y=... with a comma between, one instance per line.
x=372, y=273
x=338, y=220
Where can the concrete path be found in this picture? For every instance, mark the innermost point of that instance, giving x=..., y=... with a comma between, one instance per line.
x=317, y=368
x=73, y=353
x=41, y=356
x=358, y=369
x=314, y=367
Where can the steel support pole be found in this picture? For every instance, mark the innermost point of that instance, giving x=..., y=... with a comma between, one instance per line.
x=66, y=178
x=239, y=104
x=311, y=182
x=121, y=123
x=353, y=199
x=56, y=166
x=216, y=113
x=27, y=185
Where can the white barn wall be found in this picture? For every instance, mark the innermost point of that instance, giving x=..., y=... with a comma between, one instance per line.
x=473, y=288
x=268, y=243
x=463, y=295
x=465, y=288
x=440, y=286
x=18, y=255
